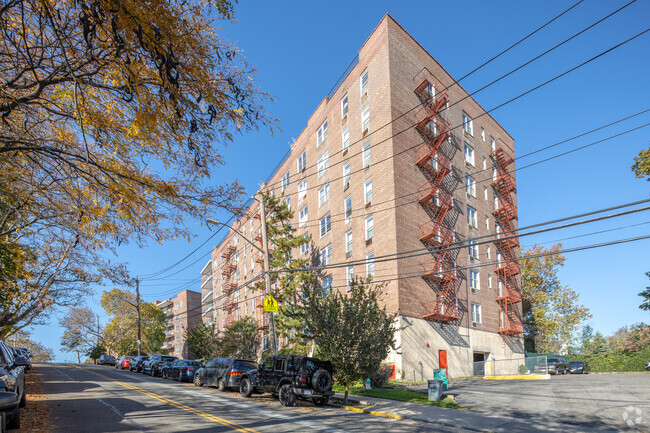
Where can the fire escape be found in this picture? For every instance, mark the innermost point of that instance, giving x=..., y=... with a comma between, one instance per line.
x=437, y=202
x=507, y=243
x=227, y=271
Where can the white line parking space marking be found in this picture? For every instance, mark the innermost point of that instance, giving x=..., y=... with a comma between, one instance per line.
x=121, y=415
x=65, y=374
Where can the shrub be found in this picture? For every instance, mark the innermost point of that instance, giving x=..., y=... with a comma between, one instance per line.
x=523, y=369
x=379, y=378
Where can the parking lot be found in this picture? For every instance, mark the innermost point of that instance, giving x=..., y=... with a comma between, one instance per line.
x=620, y=400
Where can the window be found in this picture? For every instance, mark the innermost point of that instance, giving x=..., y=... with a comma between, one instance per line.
x=251, y=224
x=346, y=176
x=493, y=144
x=367, y=191
x=323, y=163
x=469, y=155
x=305, y=246
x=489, y=281
x=325, y=225
x=302, y=217
x=488, y=252
x=348, y=243
x=370, y=229
x=473, y=279
x=321, y=135
x=347, y=203
x=326, y=255
x=487, y=223
x=285, y=181
x=344, y=107
x=471, y=217
x=494, y=173
x=236, y=239
x=349, y=276
x=467, y=123
x=323, y=194
x=482, y=134
x=484, y=163
x=245, y=249
x=473, y=249
x=365, y=119
x=485, y=193
x=326, y=286
x=364, y=84
x=302, y=189
x=370, y=264
x=476, y=313
x=345, y=139
x=365, y=152
x=470, y=185
x=302, y=161
x=252, y=262
x=496, y=202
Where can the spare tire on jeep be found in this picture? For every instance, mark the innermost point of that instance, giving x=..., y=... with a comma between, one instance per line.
x=321, y=381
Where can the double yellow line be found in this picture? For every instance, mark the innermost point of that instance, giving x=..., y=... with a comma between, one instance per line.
x=175, y=404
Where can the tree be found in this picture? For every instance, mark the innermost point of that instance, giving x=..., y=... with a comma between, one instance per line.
x=79, y=330
x=350, y=329
x=111, y=114
x=39, y=352
x=551, y=312
x=202, y=340
x=641, y=167
x=95, y=352
x=645, y=305
x=239, y=340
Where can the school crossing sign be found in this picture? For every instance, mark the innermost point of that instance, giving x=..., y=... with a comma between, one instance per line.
x=270, y=304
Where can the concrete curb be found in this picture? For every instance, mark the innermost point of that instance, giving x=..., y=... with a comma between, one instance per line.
x=519, y=377
x=373, y=412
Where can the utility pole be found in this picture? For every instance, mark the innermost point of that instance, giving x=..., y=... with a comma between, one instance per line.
x=267, y=268
x=137, y=308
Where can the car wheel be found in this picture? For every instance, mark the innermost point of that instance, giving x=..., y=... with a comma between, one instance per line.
x=287, y=397
x=153, y=372
x=23, y=400
x=180, y=376
x=221, y=386
x=246, y=388
x=197, y=380
x=321, y=381
x=320, y=401
x=13, y=421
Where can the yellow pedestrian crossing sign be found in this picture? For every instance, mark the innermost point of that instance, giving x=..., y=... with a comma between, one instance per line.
x=270, y=304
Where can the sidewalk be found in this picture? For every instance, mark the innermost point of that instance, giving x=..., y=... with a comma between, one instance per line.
x=465, y=420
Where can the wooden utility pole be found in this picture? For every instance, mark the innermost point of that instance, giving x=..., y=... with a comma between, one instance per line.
x=267, y=270
x=137, y=307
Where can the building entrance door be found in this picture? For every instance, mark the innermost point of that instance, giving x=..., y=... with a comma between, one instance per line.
x=442, y=360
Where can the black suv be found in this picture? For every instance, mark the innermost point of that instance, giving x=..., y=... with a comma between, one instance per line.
x=290, y=377
x=155, y=364
x=223, y=372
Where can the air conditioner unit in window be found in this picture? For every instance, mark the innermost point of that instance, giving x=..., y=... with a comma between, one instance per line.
x=474, y=324
x=345, y=151
x=368, y=204
x=473, y=290
x=468, y=164
x=344, y=119
x=346, y=186
x=437, y=239
x=365, y=132
x=364, y=96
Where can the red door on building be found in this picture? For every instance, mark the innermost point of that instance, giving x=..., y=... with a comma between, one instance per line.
x=442, y=359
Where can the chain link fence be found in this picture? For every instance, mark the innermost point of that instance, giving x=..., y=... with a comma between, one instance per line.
x=511, y=367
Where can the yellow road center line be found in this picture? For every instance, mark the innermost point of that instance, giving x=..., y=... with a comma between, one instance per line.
x=173, y=403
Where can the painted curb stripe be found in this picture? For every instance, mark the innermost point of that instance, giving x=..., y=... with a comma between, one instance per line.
x=519, y=377
x=372, y=412
x=175, y=404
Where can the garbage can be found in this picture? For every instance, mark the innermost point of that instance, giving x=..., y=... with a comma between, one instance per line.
x=435, y=390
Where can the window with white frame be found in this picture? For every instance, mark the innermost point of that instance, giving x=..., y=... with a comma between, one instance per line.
x=253, y=261
x=473, y=279
x=347, y=204
x=494, y=174
x=469, y=155
x=304, y=247
x=344, y=107
x=476, y=313
x=245, y=268
x=485, y=192
x=470, y=185
x=326, y=255
x=321, y=135
x=365, y=152
x=323, y=194
x=484, y=163
x=489, y=281
x=236, y=239
x=325, y=225
x=467, y=123
x=367, y=191
x=482, y=134
x=364, y=83
x=370, y=228
x=326, y=286
x=471, y=217
x=365, y=119
x=487, y=223
x=302, y=161
x=473, y=249
x=244, y=229
x=245, y=249
x=488, y=252
x=345, y=138
x=287, y=201
x=493, y=143
x=496, y=202
x=251, y=223
x=346, y=176
x=302, y=217
x=348, y=243
x=302, y=189
x=323, y=163
x=349, y=276
x=370, y=264
x=285, y=181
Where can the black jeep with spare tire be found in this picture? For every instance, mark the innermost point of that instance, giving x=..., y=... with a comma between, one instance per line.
x=290, y=377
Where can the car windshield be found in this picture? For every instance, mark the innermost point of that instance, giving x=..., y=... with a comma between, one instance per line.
x=194, y=363
x=167, y=358
x=577, y=363
x=553, y=360
x=244, y=365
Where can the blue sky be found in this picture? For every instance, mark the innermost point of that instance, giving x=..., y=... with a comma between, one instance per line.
x=300, y=50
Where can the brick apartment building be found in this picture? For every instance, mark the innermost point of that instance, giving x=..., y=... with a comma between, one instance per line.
x=393, y=164
x=182, y=313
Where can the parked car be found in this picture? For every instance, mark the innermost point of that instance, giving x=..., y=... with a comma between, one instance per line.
x=647, y=366
x=12, y=379
x=578, y=367
x=290, y=377
x=22, y=357
x=136, y=363
x=181, y=370
x=106, y=360
x=223, y=372
x=8, y=403
x=155, y=364
x=124, y=362
x=552, y=366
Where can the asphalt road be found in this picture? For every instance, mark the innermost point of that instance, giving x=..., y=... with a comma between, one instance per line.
x=88, y=398
x=620, y=401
